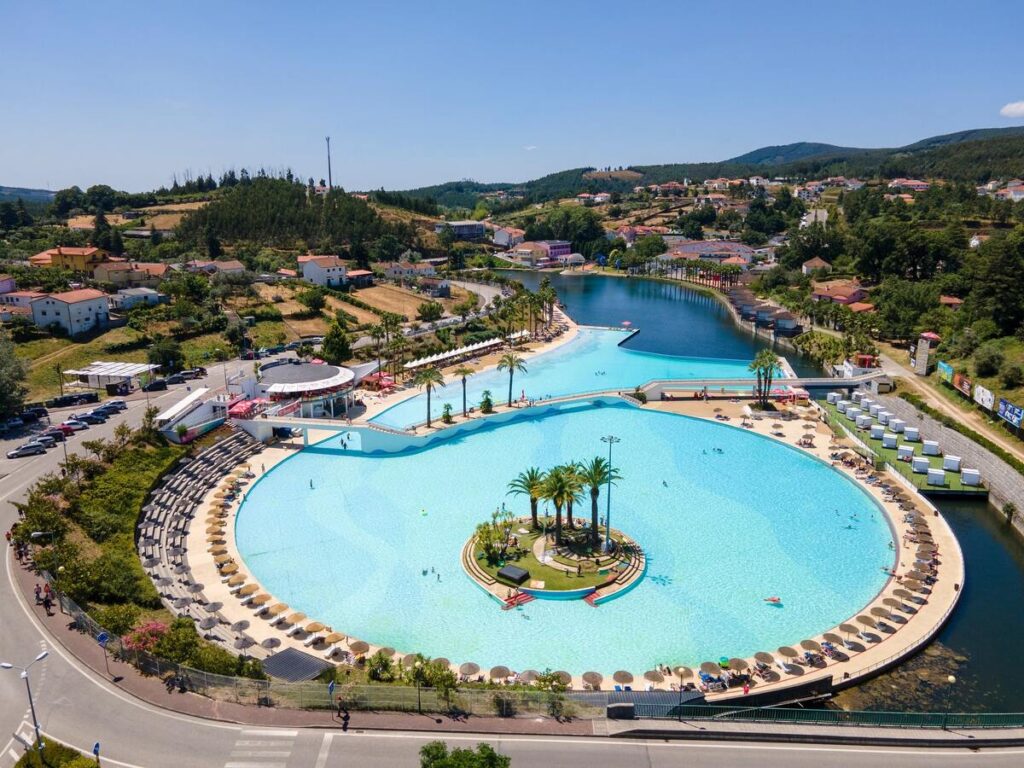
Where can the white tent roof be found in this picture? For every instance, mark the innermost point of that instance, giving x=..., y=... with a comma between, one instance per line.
x=341, y=378
x=97, y=368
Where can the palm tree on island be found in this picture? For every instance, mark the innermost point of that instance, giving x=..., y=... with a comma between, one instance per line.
x=574, y=491
x=556, y=490
x=594, y=474
x=529, y=483
x=464, y=372
x=428, y=379
x=764, y=365
x=511, y=362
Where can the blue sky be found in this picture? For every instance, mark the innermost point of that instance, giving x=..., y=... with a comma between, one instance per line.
x=416, y=93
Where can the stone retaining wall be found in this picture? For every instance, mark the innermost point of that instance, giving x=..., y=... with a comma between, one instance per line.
x=1005, y=483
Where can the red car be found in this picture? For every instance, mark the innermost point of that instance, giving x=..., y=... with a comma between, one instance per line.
x=65, y=428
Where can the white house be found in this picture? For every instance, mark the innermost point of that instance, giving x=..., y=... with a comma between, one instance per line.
x=404, y=270
x=127, y=298
x=6, y=284
x=757, y=181
x=74, y=311
x=325, y=270
x=508, y=237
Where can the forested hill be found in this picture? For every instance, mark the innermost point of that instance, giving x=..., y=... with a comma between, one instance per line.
x=972, y=156
x=28, y=195
x=284, y=213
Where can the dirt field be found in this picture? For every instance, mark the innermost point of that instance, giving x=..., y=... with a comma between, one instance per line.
x=86, y=221
x=290, y=307
x=159, y=216
x=621, y=175
x=391, y=298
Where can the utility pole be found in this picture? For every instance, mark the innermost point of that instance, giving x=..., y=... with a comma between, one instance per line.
x=330, y=181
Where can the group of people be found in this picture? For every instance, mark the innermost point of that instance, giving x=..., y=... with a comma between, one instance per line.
x=20, y=547
x=45, y=597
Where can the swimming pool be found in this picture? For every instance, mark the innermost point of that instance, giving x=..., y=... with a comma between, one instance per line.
x=721, y=532
x=592, y=361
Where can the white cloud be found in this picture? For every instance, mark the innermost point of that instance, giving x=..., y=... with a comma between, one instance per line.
x=531, y=147
x=1013, y=109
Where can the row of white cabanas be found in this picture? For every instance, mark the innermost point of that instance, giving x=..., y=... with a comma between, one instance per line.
x=469, y=349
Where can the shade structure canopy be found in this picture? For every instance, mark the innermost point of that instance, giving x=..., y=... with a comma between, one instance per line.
x=244, y=642
x=218, y=550
x=223, y=558
x=356, y=646
x=229, y=568
x=314, y=626
x=277, y=610
x=881, y=612
x=387, y=651
x=208, y=623
x=683, y=672
x=654, y=675
x=622, y=676
x=914, y=585
x=164, y=581
x=295, y=618
x=442, y=661
x=271, y=642
x=738, y=664
x=810, y=645
x=917, y=575
x=409, y=659
x=215, y=529
x=181, y=568
x=764, y=657
x=261, y=599
x=240, y=626
x=906, y=594
x=195, y=589
x=867, y=621
x=563, y=676
x=832, y=637
x=710, y=668
x=594, y=678
x=529, y=675
x=182, y=602
x=249, y=589
x=469, y=668
x=334, y=637
x=848, y=628
x=238, y=578
x=789, y=653
x=892, y=602
x=500, y=672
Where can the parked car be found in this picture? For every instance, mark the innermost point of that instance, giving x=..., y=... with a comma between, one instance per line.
x=155, y=385
x=47, y=440
x=88, y=418
x=28, y=449
x=106, y=410
x=56, y=433
x=66, y=430
x=276, y=350
x=38, y=410
x=292, y=345
x=176, y=378
x=14, y=423
x=121, y=405
x=75, y=425
x=28, y=417
x=194, y=373
x=78, y=398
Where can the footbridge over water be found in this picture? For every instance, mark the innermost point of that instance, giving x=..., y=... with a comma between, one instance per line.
x=368, y=437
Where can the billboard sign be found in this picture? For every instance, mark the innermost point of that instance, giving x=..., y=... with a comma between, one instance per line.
x=945, y=372
x=1010, y=413
x=984, y=397
x=962, y=383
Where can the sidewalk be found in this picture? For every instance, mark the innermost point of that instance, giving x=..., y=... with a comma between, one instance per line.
x=153, y=691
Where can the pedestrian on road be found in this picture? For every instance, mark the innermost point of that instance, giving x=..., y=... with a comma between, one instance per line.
x=39, y=594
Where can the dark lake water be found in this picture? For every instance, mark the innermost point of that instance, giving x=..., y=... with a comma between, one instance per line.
x=986, y=629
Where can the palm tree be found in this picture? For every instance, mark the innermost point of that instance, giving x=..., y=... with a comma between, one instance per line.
x=555, y=489
x=464, y=372
x=428, y=379
x=377, y=333
x=511, y=362
x=595, y=474
x=574, y=491
x=764, y=364
x=529, y=483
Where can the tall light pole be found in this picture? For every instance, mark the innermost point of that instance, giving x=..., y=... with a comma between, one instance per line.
x=611, y=440
x=219, y=352
x=31, y=702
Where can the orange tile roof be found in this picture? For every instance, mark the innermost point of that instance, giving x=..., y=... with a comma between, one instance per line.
x=861, y=306
x=82, y=294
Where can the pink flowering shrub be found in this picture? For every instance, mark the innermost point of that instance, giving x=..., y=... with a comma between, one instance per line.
x=145, y=636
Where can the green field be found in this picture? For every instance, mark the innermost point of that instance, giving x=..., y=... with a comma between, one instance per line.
x=890, y=455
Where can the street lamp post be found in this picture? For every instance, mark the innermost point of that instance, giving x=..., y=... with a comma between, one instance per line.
x=951, y=679
x=418, y=667
x=31, y=701
x=224, y=368
x=611, y=440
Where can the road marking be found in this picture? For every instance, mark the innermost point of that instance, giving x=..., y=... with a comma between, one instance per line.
x=260, y=753
x=325, y=748
x=255, y=765
x=13, y=755
x=269, y=732
x=245, y=743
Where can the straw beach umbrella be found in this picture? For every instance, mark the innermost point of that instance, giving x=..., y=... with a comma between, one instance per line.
x=333, y=637
x=867, y=621
x=811, y=645
x=238, y=578
x=261, y=599
x=499, y=672
x=710, y=668
x=442, y=661
x=529, y=675
x=277, y=610
x=654, y=676
x=622, y=676
x=314, y=626
x=892, y=602
x=356, y=646
x=564, y=676
x=787, y=652
x=220, y=549
x=295, y=618
x=764, y=657
x=224, y=558
x=906, y=594
x=387, y=651
x=469, y=668
x=240, y=626
x=882, y=613
x=229, y=569
x=738, y=665
x=249, y=589
x=833, y=638
x=593, y=678
x=683, y=672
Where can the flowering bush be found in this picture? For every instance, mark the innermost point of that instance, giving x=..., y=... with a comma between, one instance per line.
x=145, y=636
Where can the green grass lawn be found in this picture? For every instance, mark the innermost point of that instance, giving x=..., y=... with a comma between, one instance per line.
x=553, y=578
x=890, y=455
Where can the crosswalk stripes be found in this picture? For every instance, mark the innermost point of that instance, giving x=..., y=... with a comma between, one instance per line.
x=262, y=748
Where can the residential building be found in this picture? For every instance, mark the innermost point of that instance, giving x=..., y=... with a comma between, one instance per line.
x=813, y=265
x=720, y=184
x=7, y=284
x=757, y=181
x=714, y=199
x=327, y=271
x=507, y=237
x=467, y=229
x=854, y=184
x=1013, y=193
x=912, y=185
x=710, y=250
x=436, y=287
x=76, y=312
x=359, y=278
x=128, y=274
x=602, y=197
x=287, y=274
x=953, y=302
x=407, y=270
x=861, y=307
x=555, y=248
x=571, y=259
x=977, y=240
x=838, y=291
x=82, y=260
x=229, y=267
x=20, y=298
x=127, y=298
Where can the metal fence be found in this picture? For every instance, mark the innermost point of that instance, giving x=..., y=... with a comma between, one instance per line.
x=955, y=720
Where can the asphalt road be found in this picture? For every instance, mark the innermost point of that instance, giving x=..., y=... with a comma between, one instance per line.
x=80, y=708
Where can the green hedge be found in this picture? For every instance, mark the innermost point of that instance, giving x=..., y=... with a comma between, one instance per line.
x=964, y=430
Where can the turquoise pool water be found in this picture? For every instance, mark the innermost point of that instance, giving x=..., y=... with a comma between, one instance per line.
x=721, y=530
x=591, y=361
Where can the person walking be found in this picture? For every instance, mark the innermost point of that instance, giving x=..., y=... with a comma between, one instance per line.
x=39, y=594
x=48, y=605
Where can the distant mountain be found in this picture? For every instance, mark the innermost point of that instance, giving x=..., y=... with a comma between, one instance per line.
x=28, y=195
x=971, y=156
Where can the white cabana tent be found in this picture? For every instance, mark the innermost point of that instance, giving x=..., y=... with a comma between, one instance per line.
x=98, y=374
x=441, y=357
